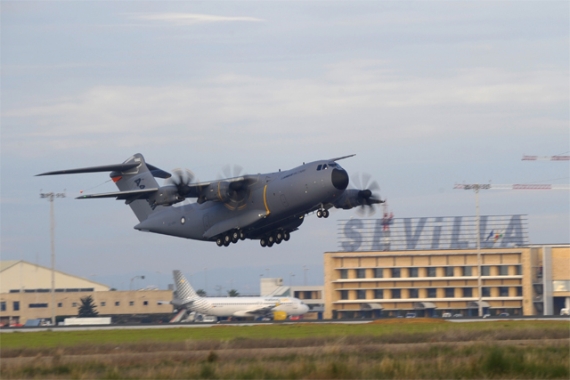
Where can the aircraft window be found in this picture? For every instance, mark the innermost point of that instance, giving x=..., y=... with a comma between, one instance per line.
x=319, y=167
x=333, y=164
x=324, y=166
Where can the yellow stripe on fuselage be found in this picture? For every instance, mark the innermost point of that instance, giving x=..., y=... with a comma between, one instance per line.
x=265, y=200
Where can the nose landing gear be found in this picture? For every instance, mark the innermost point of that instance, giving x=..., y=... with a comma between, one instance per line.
x=322, y=213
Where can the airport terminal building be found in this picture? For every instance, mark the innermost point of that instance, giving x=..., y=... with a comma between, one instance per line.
x=430, y=266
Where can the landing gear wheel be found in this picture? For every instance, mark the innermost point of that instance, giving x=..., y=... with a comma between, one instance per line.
x=319, y=213
x=235, y=237
x=219, y=241
x=263, y=242
x=270, y=240
x=325, y=213
x=227, y=243
x=286, y=236
x=270, y=244
x=241, y=235
x=227, y=239
x=279, y=237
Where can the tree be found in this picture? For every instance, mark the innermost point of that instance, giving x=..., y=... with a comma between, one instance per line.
x=201, y=292
x=87, y=308
x=233, y=293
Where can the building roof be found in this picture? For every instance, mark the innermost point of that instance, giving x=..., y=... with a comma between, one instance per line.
x=7, y=264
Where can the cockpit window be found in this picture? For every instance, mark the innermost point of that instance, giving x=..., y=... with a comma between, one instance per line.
x=319, y=167
x=333, y=164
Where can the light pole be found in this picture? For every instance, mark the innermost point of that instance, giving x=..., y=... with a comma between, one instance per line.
x=50, y=197
x=134, y=278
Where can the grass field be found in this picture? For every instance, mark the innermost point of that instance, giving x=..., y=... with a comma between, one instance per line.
x=404, y=349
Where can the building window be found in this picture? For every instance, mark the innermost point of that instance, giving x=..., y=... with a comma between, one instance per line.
x=103, y=303
x=396, y=293
x=37, y=305
x=468, y=271
x=519, y=291
x=60, y=304
x=361, y=294
x=449, y=292
x=503, y=270
x=485, y=270
x=518, y=269
x=145, y=303
x=344, y=273
x=413, y=293
x=3, y=306
x=486, y=292
x=448, y=271
x=467, y=292
x=308, y=295
x=361, y=273
x=344, y=294
x=395, y=272
x=379, y=293
x=431, y=271
x=413, y=272
x=131, y=303
x=117, y=303
x=378, y=272
x=74, y=304
x=432, y=293
x=503, y=291
x=16, y=305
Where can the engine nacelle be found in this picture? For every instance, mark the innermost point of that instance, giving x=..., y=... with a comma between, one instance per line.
x=349, y=199
x=217, y=192
x=167, y=196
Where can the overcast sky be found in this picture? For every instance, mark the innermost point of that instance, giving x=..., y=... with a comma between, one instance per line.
x=425, y=94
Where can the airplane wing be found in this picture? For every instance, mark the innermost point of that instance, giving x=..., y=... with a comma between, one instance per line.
x=257, y=311
x=241, y=221
x=196, y=190
x=121, y=194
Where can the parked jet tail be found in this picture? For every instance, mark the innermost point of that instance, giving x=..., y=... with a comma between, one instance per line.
x=184, y=291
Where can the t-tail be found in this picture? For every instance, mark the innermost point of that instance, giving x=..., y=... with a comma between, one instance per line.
x=184, y=291
x=137, y=184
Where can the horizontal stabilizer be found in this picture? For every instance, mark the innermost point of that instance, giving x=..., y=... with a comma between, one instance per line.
x=121, y=194
x=95, y=169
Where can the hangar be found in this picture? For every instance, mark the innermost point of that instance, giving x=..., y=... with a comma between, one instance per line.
x=25, y=293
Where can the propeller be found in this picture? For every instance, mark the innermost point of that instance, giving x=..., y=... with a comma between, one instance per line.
x=369, y=196
x=238, y=190
x=181, y=178
x=231, y=171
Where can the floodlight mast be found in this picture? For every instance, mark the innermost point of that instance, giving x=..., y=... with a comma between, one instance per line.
x=487, y=186
x=50, y=197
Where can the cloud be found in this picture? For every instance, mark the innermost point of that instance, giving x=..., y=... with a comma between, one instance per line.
x=190, y=18
x=365, y=95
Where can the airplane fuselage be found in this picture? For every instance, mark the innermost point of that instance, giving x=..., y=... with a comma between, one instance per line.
x=278, y=200
x=245, y=306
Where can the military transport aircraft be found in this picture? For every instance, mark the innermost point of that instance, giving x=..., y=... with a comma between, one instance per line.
x=267, y=207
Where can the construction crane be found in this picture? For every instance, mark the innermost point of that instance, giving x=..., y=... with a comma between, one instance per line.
x=546, y=158
x=488, y=186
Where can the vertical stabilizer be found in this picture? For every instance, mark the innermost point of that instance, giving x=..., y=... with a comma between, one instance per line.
x=184, y=290
x=137, y=178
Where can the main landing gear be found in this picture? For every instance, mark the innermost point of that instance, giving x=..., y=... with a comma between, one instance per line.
x=275, y=238
x=231, y=237
x=322, y=213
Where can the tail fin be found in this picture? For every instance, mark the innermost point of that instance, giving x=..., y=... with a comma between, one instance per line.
x=137, y=178
x=184, y=290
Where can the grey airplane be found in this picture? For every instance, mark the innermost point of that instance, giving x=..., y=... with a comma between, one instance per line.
x=265, y=207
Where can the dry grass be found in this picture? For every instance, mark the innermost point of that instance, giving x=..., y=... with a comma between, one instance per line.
x=468, y=351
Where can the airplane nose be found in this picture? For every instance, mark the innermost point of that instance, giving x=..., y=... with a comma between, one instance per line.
x=339, y=179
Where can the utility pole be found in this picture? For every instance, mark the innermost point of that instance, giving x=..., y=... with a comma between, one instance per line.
x=50, y=197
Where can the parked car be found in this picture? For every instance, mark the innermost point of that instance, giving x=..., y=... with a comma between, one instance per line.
x=504, y=314
x=446, y=315
x=458, y=315
x=486, y=315
x=410, y=315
